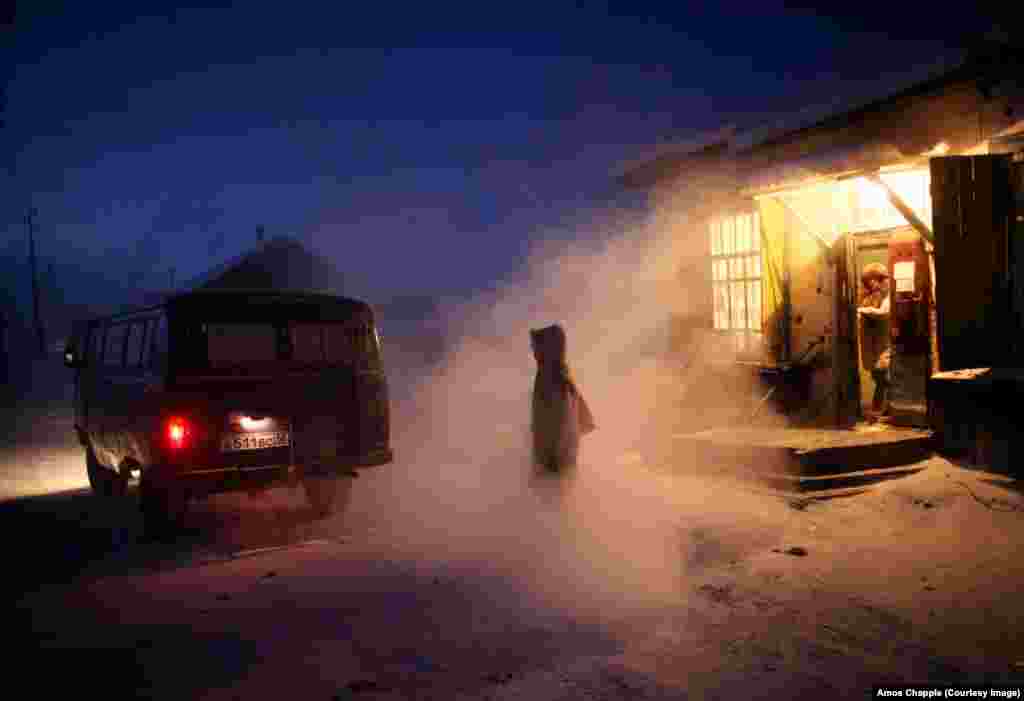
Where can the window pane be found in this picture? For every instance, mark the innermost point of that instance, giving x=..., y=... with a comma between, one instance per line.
x=721, y=307
x=756, y=243
x=757, y=266
x=158, y=344
x=97, y=345
x=738, y=305
x=307, y=343
x=728, y=238
x=133, y=345
x=754, y=305
x=745, y=228
x=716, y=237
x=113, y=354
x=232, y=345
x=148, y=328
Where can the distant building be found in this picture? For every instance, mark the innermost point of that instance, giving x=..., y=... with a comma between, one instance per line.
x=280, y=263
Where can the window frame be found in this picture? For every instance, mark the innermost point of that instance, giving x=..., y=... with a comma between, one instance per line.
x=159, y=341
x=135, y=328
x=736, y=259
x=97, y=344
x=123, y=327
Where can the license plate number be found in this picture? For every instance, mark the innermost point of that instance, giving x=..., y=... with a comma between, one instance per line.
x=254, y=441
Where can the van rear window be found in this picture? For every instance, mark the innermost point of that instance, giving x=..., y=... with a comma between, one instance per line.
x=333, y=344
x=232, y=345
x=247, y=347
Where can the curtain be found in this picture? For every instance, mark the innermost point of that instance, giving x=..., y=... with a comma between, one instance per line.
x=773, y=229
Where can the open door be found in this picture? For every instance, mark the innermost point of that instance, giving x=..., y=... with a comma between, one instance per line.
x=867, y=249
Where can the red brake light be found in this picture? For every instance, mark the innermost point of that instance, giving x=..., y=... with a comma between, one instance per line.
x=178, y=433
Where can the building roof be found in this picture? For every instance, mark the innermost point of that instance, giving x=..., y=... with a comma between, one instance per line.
x=644, y=171
x=913, y=81
x=278, y=263
x=877, y=95
x=281, y=263
x=821, y=165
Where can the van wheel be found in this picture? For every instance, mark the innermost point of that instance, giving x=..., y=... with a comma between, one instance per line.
x=163, y=507
x=104, y=482
x=327, y=494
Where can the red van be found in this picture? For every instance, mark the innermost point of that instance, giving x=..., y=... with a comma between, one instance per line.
x=225, y=390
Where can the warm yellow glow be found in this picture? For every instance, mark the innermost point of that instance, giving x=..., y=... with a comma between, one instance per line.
x=939, y=149
x=826, y=210
x=871, y=195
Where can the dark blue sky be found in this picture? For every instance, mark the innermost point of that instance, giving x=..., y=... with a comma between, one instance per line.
x=422, y=146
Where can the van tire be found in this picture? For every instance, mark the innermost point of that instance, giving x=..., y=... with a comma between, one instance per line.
x=162, y=506
x=103, y=481
x=327, y=494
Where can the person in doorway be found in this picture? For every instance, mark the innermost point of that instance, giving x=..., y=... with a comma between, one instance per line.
x=560, y=415
x=876, y=351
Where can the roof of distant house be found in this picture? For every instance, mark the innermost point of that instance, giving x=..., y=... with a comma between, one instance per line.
x=279, y=263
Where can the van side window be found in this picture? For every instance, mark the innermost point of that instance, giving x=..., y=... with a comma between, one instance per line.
x=95, y=345
x=113, y=354
x=147, y=333
x=133, y=344
x=158, y=343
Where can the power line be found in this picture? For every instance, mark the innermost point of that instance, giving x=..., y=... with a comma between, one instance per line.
x=36, y=312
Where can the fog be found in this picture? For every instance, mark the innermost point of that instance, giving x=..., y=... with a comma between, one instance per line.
x=608, y=534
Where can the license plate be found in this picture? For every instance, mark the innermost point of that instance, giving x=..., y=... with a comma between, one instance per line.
x=254, y=441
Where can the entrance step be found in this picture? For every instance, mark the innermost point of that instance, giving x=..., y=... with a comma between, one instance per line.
x=835, y=482
x=802, y=460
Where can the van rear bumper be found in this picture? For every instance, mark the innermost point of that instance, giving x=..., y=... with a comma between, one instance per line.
x=230, y=479
x=201, y=482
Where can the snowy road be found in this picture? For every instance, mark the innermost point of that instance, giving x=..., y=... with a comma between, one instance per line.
x=454, y=574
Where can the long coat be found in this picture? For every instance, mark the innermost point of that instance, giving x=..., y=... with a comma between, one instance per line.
x=560, y=416
x=876, y=351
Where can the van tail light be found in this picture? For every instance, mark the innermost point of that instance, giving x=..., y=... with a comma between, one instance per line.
x=178, y=433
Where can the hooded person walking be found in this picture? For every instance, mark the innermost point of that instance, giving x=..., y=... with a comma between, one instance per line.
x=560, y=415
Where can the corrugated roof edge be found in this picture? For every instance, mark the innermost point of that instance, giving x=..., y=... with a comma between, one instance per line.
x=675, y=151
x=779, y=127
x=919, y=78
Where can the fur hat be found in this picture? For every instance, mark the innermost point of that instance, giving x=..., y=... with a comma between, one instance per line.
x=874, y=271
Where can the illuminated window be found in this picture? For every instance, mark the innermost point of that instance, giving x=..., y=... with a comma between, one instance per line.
x=736, y=278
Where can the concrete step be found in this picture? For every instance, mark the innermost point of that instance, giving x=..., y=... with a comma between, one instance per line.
x=799, y=454
x=799, y=500
x=836, y=482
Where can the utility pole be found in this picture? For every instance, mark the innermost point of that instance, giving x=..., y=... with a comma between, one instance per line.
x=36, y=312
x=172, y=271
x=259, y=233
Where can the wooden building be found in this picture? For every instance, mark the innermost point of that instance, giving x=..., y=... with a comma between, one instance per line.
x=923, y=179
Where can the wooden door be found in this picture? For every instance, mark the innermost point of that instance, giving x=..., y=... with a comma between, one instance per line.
x=972, y=214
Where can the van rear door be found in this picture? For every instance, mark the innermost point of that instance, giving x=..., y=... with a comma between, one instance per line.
x=371, y=393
